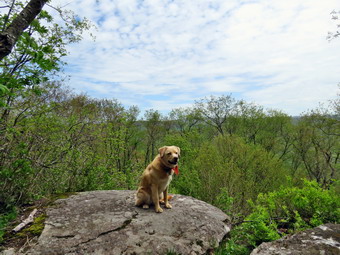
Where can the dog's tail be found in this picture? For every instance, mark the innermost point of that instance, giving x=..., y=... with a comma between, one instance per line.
x=162, y=200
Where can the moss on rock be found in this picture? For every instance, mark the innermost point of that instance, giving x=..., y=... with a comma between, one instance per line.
x=16, y=240
x=36, y=228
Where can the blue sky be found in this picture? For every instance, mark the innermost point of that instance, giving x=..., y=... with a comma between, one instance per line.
x=167, y=54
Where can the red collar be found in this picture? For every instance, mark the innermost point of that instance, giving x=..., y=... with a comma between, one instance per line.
x=176, y=170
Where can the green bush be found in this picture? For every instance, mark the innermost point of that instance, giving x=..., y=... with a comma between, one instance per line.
x=241, y=170
x=188, y=182
x=225, y=171
x=5, y=218
x=288, y=210
x=299, y=208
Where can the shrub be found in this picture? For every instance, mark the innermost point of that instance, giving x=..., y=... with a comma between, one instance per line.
x=240, y=170
x=288, y=210
x=5, y=218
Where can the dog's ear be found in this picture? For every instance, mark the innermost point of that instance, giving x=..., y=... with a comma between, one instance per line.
x=179, y=151
x=162, y=151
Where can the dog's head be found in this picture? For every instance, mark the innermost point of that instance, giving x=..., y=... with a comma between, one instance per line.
x=170, y=155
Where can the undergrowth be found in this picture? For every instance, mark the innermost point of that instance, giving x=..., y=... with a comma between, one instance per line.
x=286, y=211
x=5, y=218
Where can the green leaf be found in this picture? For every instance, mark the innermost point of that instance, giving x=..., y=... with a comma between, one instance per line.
x=3, y=89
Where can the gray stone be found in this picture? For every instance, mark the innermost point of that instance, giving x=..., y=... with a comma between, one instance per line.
x=322, y=240
x=10, y=251
x=107, y=222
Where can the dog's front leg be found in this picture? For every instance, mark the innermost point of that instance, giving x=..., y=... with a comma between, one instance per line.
x=155, y=198
x=166, y=201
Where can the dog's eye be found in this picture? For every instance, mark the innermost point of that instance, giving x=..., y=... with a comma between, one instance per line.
x=169, y=153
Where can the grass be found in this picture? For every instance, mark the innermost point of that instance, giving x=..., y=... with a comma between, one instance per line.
x=4, y=220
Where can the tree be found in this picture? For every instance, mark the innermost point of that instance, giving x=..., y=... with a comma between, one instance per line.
x=317, y=144
x=216, y=111
x=332, y=35
x=27, y=70
x=36, y=56
x=154, y=131
x=37, y=51
x=10, y=35
x=248, y=121
x=185, y=119
x=243, y=170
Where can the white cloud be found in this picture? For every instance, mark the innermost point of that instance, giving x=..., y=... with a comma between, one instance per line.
x=272, y=52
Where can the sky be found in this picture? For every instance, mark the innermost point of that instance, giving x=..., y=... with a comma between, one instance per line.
x=166, y=54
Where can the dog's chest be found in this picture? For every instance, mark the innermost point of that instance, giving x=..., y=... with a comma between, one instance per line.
x=165, y=182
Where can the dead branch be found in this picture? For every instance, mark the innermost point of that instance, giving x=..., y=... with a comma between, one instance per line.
x=26, y=221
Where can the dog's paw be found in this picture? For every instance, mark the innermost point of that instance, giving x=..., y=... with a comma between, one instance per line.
x=145, y=206
x=159, y=210
x=168, y=206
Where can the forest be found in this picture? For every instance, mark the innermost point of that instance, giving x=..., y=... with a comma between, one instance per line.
x=272, y=173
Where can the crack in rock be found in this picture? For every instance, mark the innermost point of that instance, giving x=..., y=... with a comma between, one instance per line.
x=66, y=236
x=123, y=226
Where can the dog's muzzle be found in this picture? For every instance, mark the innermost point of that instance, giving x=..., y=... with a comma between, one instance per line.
x=174, y=161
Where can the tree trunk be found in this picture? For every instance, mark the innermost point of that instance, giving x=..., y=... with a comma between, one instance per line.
x=10, y=35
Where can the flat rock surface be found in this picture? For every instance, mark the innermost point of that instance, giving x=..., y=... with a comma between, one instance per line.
x=322, y=240
x=107, y=222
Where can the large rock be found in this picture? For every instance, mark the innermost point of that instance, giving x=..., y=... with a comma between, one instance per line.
x=322, y=240
x=107, y=222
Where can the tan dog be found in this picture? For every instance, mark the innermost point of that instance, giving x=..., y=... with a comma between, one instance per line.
x=156, y=178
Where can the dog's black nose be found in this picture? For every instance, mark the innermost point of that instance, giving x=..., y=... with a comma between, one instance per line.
x=175, y=160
